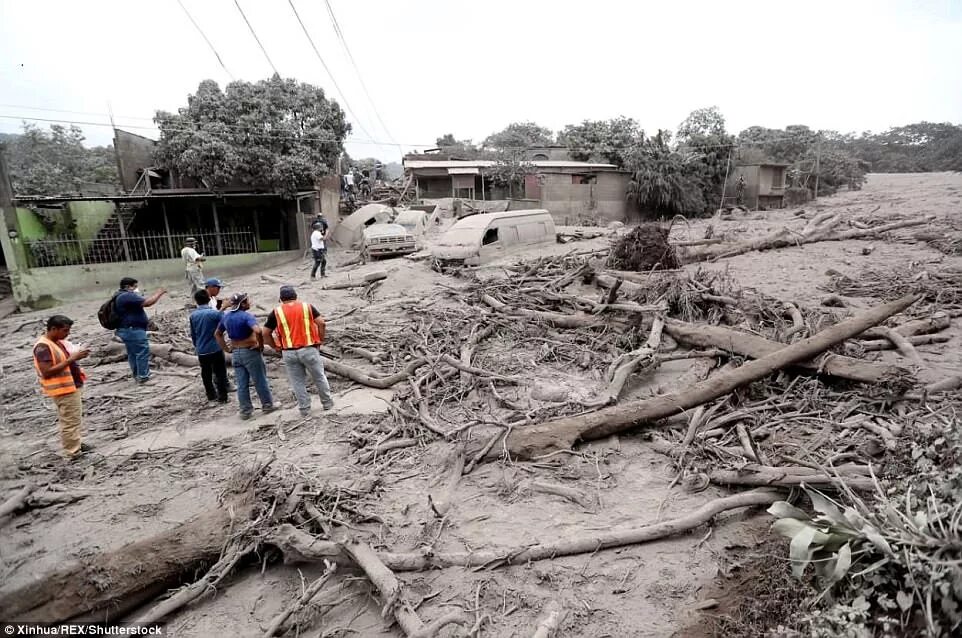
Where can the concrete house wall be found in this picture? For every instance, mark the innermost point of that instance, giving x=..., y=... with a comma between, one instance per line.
x=569, y=203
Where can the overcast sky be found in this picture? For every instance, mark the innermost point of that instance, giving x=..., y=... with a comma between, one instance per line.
x=439, y=66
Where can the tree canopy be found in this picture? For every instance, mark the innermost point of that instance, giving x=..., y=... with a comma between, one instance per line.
x=278, y=134
x=602, y=140
x=519, y=135
x=56, y=162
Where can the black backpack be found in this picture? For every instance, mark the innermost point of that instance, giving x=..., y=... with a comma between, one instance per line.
x=108, y=316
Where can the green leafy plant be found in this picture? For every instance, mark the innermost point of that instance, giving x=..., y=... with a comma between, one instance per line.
x=899, y=551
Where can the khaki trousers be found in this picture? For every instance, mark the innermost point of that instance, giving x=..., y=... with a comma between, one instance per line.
x=70, y=409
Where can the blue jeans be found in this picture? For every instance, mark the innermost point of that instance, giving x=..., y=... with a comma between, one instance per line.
x=249, y=366
x=138, y=351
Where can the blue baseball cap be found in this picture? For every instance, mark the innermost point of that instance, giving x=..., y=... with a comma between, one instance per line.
x=214, y=283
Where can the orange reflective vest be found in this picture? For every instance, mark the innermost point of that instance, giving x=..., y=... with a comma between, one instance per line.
x=62, y=383
x=296, y=327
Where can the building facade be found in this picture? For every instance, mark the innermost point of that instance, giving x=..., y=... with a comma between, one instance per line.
x=573, y=192
x=763, y=185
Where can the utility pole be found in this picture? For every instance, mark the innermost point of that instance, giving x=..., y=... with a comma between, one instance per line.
x=818, y=162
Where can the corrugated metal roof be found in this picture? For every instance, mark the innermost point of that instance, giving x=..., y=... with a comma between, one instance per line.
x=414, y=164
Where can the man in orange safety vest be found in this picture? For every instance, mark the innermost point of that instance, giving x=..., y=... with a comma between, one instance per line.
x=62, y=379
x=297, y=330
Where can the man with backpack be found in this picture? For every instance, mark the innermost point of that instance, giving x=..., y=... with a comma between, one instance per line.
x=130, y=323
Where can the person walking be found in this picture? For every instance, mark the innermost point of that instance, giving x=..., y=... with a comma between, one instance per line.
x=193, y=265
x=130, y=306
x=62, y=379
x=246, y=347
x=213, y=287
x=319, y=247
x=299, y=330
x=213, y=365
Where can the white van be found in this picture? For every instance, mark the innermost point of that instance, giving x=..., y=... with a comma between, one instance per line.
x=479, y=239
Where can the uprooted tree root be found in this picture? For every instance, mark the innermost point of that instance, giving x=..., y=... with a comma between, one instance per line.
x=645, y=248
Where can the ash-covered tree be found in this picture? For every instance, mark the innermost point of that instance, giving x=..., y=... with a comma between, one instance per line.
x=56, y=162
x=702, y=137
x=509, y=171
x=518, y=136
x=665, y=179
x=608, y=141
x=277, y=134
x=461, y=149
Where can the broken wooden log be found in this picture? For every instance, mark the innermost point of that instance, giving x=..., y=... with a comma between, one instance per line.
x=785, y=479
x=561, y=434
x=442, y=503
x=358, y=376
x=556, y=319
x=274, y=628
x=885, y=344
x=905, y=348
x=935, y=323
x=369, y=278
x=183, y=597
x=299, y=546
x=388, y=587
x=434, y=627
x=387, y=446
x=551, y=618
x=631, y=361
x=77, y=587
x=15, y=503
x=749, y=345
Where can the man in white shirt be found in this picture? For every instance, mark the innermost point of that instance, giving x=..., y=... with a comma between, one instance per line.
x=319, y=247
x=193, y=267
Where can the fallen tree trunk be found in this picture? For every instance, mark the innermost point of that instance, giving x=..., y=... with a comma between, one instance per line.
x=298, y=545
x=936, y=323
x=556, y=319
x=749, y=345
x=561, y=434
x=785, y=479
x=168, y=353
x=78, y=588
x=916, y=340
x=357, y=376
x=816, y=231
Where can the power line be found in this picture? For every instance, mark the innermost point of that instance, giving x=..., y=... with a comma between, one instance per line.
x=278, y=134
x=329, y=74
x=254, y=33
x=736, y=144
x=357, y=71
x=206, y=39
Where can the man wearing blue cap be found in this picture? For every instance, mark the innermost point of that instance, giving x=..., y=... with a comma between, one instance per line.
x=213, y=286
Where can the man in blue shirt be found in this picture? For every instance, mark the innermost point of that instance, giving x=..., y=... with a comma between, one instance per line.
x=213, y=365
x=246, y=347
x=130, y=306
